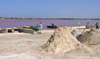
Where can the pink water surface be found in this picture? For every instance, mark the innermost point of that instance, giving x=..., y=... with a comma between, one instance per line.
x=20, y=23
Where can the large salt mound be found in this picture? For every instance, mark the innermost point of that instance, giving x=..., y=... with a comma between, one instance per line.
x=61, y=41
x=91, y=38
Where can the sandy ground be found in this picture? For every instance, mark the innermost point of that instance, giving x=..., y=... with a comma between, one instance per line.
x=28, y=46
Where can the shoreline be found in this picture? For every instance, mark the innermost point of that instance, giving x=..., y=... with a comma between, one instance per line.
x=52, y=19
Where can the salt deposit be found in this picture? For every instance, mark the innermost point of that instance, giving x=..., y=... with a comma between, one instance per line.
x=91, y=38
x=61, y=45
x=62, y=41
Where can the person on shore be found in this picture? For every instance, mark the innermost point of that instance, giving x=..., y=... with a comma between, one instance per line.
x=40, y=27
x=97, y=25
x=37, y=25
x=53, y=24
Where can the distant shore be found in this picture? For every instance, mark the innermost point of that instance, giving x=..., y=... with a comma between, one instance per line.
x=12, y=18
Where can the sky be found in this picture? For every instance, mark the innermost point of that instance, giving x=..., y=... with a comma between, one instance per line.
x=50, y=8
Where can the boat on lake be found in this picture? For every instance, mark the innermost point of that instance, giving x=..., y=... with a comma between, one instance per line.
x=51, y=26
x=35, y=28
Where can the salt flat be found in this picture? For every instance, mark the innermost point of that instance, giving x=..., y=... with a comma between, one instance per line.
x=28, y=46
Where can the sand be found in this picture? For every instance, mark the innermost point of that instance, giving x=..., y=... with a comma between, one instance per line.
x=29, y=46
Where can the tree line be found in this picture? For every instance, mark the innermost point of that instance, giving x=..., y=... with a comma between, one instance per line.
x=52, y=18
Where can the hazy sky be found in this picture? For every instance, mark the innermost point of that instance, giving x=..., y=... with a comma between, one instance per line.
x=50, y=8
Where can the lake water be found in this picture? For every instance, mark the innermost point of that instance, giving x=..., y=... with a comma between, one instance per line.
x=20, y=23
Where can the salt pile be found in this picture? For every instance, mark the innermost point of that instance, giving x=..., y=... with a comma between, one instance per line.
x=91, y=38
x=61, y=41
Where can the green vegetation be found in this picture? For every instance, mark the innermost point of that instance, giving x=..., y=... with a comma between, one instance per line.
x=51, y=18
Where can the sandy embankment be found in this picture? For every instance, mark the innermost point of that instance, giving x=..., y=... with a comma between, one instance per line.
x=28, y=46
